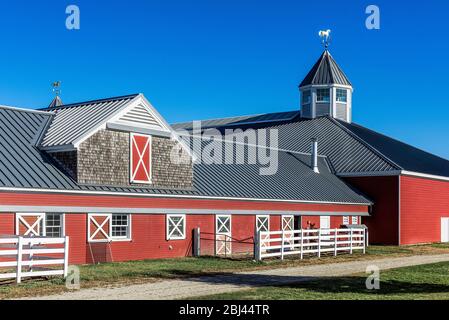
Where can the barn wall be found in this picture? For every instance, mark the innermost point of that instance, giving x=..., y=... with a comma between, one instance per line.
x=423, y=203
x=383, y=224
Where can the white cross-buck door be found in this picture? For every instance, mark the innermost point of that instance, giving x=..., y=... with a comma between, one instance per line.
x=288, y=226
x=263, y=225
x=99, y=227
x=30, y=224
x=444, y=229
x=223, y=234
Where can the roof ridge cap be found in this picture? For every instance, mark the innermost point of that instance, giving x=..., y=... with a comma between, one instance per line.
x=26, y=110
x=75, y=104
x=366, y=144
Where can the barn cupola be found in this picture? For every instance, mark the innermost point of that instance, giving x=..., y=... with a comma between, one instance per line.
x=326, y=91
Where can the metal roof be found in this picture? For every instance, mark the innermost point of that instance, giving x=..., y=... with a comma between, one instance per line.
x=23, y=165
x=403, y=155
x=325, y=71
x=294, y=179
x=241, y=120
x=70, y=122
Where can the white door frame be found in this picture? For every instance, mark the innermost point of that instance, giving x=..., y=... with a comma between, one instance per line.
x=222, y=233
x=445, y=229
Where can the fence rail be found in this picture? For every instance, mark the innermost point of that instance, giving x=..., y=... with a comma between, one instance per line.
x=309, y=242
x=26, y=257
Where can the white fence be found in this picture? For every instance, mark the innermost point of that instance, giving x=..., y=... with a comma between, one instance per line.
x=27, y=257
x=309, y=242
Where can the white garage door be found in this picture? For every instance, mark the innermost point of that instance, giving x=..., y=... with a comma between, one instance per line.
x=444, y=229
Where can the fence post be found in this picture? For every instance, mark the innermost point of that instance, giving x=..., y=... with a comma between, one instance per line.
x=196, y=242
x=335, y=242
x=302, y=243
x=367, y=237
x=364, y=241
x=282, y=244
x=257, y=247
x=66, y=257
x=350, y=241
x=319, y=243
x=19, y=260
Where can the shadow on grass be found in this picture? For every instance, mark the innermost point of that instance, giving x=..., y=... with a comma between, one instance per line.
x=325, y=285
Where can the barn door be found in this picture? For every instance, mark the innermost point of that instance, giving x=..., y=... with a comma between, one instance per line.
x=30, y=224
x=288, y=226
x=223, y=235
x=99, y=227
x=444, y=229
x=140, y=159
x=263, y=225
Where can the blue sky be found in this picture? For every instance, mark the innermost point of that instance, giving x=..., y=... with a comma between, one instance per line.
x=206, y=59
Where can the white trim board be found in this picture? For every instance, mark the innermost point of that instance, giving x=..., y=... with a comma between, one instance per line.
x=156, y=211
x=146, y=195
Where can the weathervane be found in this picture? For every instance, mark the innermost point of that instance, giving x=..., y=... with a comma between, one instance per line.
x=56, y=87
x=325, y=35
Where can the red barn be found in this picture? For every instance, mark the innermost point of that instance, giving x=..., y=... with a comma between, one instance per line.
x=123, y=184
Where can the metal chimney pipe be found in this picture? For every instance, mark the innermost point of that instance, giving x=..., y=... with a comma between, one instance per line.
x=314, y=162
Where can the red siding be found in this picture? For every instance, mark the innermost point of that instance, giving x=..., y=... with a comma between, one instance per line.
x=423, y=203
x=383, y=224
x=149, y=230
x=7, y=223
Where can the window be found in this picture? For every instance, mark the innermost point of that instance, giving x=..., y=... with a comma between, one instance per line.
x=346, y=220
x=40, y=224
x=106, y=227
x=323, y=95
x=263, y=223
x=342, y=95
x=355, y=220
x=140, y=159
x=306, y=97
x=176, y=227
x=120, y=226
x=54, y=225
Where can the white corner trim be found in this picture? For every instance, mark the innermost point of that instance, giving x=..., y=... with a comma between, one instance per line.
x=423, y=175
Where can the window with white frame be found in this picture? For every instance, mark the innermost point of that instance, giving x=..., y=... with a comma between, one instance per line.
x=346, y=220
x=176, y=227
x=355, y=220
x=54, y=225
x=120, y=226
x=342, y=95
x=323, y=95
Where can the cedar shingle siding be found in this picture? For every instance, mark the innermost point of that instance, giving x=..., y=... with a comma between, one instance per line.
x=103, y=159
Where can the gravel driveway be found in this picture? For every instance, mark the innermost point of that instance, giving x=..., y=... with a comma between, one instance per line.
x=207, y=285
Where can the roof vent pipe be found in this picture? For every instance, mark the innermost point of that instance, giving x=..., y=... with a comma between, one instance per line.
x=314, y=162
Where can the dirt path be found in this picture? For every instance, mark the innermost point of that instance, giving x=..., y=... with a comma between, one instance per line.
x=188, y=288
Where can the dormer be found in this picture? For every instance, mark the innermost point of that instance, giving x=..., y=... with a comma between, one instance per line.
x=121, y=142
x=326, y=91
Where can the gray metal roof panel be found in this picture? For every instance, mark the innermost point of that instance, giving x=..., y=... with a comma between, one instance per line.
x=240, y=120
x=70, y=122
x=325, y=71
x=405, y=156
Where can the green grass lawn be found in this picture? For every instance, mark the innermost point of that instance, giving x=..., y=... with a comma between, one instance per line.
x=155, y=270
x=411, y=283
